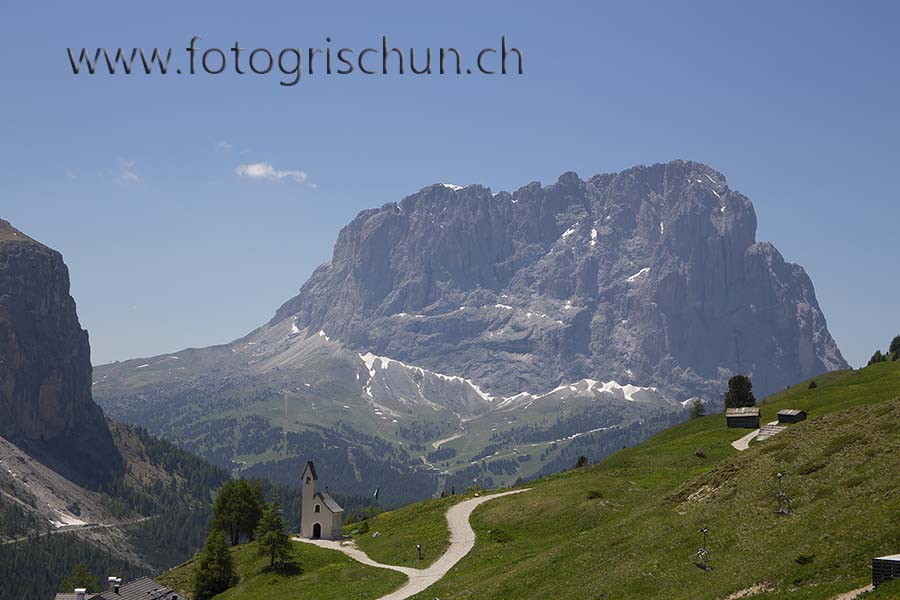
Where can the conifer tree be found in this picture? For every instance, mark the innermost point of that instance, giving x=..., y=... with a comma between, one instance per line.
x=214, y=572
x=237, y=509
x=740, y=392
x=878, y=357
x=697, y=409
x=81, y=577
x=271, y=537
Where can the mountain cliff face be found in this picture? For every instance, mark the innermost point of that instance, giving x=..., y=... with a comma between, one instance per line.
x=650, y=276
x=45, y=369
x=490, y=337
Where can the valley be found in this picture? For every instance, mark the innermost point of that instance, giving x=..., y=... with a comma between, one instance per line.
x=392, y=418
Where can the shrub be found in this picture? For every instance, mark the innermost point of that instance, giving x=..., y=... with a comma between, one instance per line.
x=499, y=536
x=813, y=385
x=697, y=409
x=595, y=495
x=810, y=468
x=855, y=481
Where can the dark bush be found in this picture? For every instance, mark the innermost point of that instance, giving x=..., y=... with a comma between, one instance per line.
x=499, y=536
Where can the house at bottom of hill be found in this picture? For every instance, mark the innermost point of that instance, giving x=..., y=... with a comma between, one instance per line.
x=321, y=517
x=139, y=589
x=744, y=417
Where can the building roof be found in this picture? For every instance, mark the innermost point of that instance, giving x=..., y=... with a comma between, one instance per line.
x=139, y=589
x=893, y=558
x=792, y=412
x=743, y=411
x=312, y=469
x=330, y=503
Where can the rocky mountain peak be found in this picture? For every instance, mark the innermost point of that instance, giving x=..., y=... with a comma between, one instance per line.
x=8, y=233
x=651, y=276
x=45, y=371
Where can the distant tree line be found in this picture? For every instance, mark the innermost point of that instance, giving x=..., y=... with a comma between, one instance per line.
x=356, y=463
x=177, y=502
x=16, y=521
x=442, y=454
x=892, y=354
x=45, y=564
x=420, y=432
x=597, y=446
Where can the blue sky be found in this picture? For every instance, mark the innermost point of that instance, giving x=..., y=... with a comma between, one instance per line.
x=134, y=178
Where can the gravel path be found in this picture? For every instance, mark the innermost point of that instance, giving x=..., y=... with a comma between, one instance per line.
x=854, y=593
x=744, y=443
x=447, y=440
x=462, y=540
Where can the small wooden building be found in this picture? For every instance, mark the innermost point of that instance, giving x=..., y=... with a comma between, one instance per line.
x=884, y=569
x=745, y=417
x=791, y=415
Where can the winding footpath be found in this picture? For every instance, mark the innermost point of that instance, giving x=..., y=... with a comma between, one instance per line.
x=462, y=540
x=744, y=443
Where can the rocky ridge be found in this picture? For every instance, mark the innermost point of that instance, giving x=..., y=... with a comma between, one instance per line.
x=45, y=368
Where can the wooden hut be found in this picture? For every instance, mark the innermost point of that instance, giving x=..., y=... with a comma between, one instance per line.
x=885, y=569
x=791, y=415
x=745, y=417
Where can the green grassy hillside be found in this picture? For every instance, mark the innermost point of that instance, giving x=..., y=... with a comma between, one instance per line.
x=319, y=575
x=628, y=527
x=399, y=531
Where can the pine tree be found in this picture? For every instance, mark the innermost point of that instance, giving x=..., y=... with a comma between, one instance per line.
x=878, y=357
x=237, y=509
x=81, y=577
x=582, y=462
x=214, y=572
x=895, y=348
x=271, y=537
x=740, y=392
x=813, y=385
x=697, y=409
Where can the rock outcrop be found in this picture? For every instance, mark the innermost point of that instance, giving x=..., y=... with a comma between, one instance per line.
x=45, y=369
x=652, y=276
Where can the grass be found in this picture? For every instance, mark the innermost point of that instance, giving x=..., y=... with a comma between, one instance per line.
x=886, y=591
x=628, y=527
x=400, y=530
x=319, y=575
x=10, y=234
